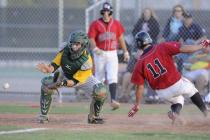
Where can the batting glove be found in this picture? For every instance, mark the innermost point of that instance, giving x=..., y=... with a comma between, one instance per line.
x=126, y=56
x=133, y=111
x=97, y=51
x=205, y=43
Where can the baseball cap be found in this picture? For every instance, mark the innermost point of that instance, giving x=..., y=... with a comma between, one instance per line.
x=188, y=15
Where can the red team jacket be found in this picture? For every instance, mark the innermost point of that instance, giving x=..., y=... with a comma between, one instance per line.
x=106, y=35
x=157, y=66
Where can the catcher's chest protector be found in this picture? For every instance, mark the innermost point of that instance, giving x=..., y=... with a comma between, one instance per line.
x=70, y=67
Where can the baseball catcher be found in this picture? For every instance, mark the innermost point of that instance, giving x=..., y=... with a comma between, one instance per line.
x=76, y=71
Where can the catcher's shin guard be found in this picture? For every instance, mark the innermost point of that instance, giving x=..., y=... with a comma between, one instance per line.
x=99, y=96
x=45, y=102
x=94, y=116
x=46, y=95
x=95, y=108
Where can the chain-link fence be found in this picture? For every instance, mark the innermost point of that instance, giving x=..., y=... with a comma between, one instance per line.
x=31, y=30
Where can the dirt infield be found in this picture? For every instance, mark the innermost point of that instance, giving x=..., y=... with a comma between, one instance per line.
x=140, y=123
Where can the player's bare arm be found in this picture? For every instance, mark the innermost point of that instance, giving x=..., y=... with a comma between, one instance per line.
x=94, y=47
x=123, y=46
x=93, y=43
x=139, y=92
x=193, y=48
x=45, y=68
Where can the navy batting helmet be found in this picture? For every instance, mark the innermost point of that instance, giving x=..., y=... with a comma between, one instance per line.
x=142, y=39
x=107, y=7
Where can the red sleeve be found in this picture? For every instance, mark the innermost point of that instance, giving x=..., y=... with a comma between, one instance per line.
x=92, y=33
x=172, y=48
x=137, y=77
x=120, y=30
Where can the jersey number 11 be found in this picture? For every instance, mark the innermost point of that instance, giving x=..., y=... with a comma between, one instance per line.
x=162, y=70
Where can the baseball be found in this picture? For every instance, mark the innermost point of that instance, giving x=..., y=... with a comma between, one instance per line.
x=6, y=85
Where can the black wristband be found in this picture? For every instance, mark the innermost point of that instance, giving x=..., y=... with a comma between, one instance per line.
x=55, y=66
x=64, y=83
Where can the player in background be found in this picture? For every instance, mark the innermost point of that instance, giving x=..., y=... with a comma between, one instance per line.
x=156, y=65
x=76, y=65
x=105, y=33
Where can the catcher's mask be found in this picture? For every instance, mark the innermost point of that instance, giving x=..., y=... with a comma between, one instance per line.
x=142, y=39
x=107, y=7
x=77, y=43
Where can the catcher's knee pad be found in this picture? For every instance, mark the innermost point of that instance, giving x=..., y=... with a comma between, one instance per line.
x=45, y=82
x=100, y=92
x=99, y=95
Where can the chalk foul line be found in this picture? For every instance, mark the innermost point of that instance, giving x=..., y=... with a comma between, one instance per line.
x=22, y=131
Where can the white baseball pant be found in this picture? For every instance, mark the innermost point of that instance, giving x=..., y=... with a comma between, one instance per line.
x=174, y=93
x=106, y=66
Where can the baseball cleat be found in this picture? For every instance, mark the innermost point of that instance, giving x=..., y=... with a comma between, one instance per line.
x=43, y=119
x=172, y=116
x=175, y=118
x=115, y=105
x=97, y=120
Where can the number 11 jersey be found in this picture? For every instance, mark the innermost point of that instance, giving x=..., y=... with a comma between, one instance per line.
x=156, y=65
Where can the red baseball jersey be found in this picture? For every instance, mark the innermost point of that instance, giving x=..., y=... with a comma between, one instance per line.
x=157, y=66
x=106, y=35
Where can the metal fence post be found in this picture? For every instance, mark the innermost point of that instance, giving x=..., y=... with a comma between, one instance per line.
x=60, y=22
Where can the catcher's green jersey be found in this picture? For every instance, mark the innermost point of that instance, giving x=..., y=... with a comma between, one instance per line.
x=74, y=68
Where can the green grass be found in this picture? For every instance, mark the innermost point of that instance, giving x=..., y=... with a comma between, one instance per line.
x=67, y=135
x=17, y=109
x=8, y=128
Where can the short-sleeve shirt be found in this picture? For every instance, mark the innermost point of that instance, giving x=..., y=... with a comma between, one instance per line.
x=106, y=35
x=157, y=66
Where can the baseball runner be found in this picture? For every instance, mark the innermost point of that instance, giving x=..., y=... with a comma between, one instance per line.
x=76, y=65
x=157, y=67
x=104, y=34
